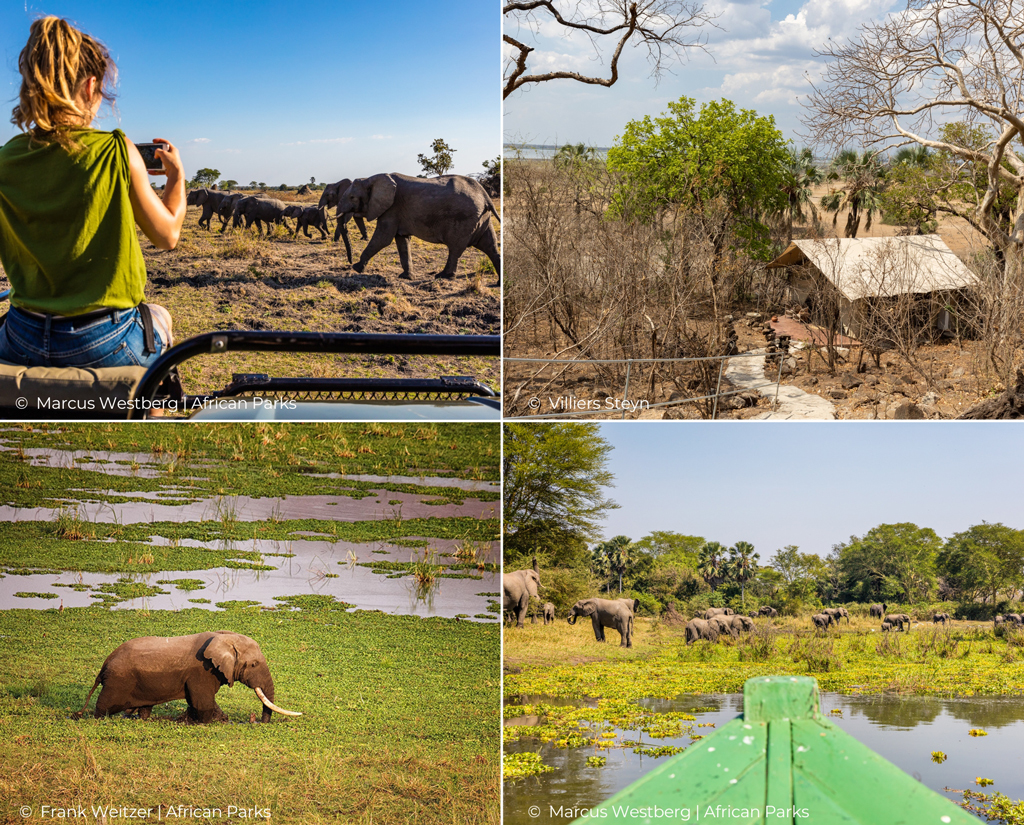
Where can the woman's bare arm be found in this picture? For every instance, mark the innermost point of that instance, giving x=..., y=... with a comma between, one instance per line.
x=159, y=218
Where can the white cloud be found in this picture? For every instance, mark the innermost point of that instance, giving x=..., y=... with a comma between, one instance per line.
x=198, y=140
x=381, y=137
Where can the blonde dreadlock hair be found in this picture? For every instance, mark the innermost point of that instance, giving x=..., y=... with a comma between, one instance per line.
x=54, y=64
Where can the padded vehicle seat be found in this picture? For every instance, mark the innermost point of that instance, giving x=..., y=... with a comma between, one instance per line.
x=66, y=393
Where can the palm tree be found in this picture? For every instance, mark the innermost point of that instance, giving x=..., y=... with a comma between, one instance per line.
x=601, y=565
x=800, y=176
x=618, y=554
x=913, y=156
x=864, y=181
x=711, y=565
x=742, y=565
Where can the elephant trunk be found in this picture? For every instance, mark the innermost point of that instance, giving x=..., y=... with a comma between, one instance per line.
x=269, y=705
x=572, y=618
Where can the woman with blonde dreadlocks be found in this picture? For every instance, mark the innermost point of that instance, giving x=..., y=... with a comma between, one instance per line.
x=70, y=197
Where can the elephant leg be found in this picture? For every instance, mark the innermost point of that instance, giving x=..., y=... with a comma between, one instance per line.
x=108, y=703
x=362, y=227
x=598, y=629
x=382, y=237
x=202, y=704
x=521, y=610
x=402, y=242
x=488, y=244
x=343, y=231
x=454, y=253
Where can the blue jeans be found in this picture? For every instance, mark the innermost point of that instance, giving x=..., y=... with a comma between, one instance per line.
x=114, y=340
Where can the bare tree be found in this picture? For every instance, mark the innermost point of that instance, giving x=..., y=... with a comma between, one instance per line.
x=936, y=61
x=663, y=27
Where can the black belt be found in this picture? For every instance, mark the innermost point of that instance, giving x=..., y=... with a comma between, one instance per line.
x=145, y=313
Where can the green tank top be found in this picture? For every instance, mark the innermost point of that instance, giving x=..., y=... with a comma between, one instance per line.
x=67, y=232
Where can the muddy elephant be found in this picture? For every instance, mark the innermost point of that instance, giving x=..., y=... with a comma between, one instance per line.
x=209, y=199
x=451, y=210
x=877, y=611
x=718, y=611
x=518, y=588
x=700, y=629
x=152, y=670
x=821, y=621
x=899, y=619
x=942, y=618
x=329, y=200
x=603, y=613
x=549, y=613
x=307, y=216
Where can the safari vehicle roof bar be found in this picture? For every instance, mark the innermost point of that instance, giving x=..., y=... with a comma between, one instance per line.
x=323, y=342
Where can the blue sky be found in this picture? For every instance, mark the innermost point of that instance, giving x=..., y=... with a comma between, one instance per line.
x=812, y=485
x=281, y=92
x=760, y=57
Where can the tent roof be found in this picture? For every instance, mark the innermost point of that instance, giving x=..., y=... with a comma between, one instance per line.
x=881, y=267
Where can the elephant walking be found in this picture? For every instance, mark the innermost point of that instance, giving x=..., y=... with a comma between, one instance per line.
x=940, y=617
x=700, y=629
x=723, y=624
x=518, y=588
x=329, y=200
x=899, y=619
x=877, y=611
x=152, y=670
x=209, y=199
x=821, y=621
x=307, y=216
x=549, y=613
x=718, y=611
x=770, y=612
x=451, y=210
x=604, y=613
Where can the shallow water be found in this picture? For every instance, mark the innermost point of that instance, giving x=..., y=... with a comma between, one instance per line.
x=244, y=508
x=904, y=730
x=137, y=465
x=301, y=567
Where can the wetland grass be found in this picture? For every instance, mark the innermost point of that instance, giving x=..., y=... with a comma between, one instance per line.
x=400, y=718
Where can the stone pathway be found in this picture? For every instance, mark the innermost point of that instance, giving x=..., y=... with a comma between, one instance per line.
x=794, y=403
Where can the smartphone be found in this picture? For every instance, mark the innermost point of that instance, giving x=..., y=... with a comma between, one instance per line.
x=148, y=152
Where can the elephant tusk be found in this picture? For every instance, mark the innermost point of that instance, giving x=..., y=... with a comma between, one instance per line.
x=272, y=706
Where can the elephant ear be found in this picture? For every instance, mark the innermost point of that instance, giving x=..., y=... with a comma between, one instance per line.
x=589, y=607
x=220, y=650
x=382, y=195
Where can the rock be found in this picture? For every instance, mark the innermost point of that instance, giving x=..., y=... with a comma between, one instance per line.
x=811, y=380
x=789, y=366
x=850, y=381
x=870, y=380
x=838, y=394
x=930, y=399
x=908, y=412
x=753, y=316
x=866, y=397
x=931, y=411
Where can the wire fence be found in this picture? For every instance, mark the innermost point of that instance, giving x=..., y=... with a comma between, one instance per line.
x=625, y=404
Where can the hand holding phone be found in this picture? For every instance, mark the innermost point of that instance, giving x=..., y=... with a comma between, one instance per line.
x=148, y=152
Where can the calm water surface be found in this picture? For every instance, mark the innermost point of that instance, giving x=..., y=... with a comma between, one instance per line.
x=904, y=730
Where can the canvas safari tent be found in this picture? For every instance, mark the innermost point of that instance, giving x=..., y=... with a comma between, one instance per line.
x=864, y=275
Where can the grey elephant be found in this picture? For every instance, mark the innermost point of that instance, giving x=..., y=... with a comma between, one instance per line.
x=307, y=216
x=887, y=626
x=940, y=618
x=741, y=624
x=209, y=199
x=452, y=210
x=700, y=629
x=718, y=611
x=518, y=587
x=1016, y=618
x=821, y=621
x=604, y=613
x=549, y=613
x=152, y=670
x=262, y=211
x=836, y=613
x=769, y=612
x=225, y=210
x=329, y=200
x=723, y=624
x=877, y=611
x=899, y=619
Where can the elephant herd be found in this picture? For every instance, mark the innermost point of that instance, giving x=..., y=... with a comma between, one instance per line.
x=719, y=621
x=451, y=210
x=518, y=588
